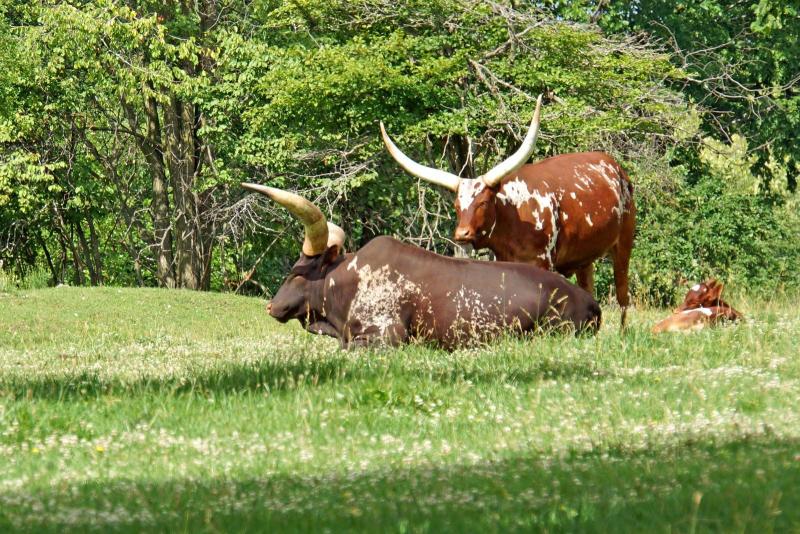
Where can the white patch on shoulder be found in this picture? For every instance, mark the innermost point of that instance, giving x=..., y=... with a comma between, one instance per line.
x=544, y=201
x=379, y=296
x=566, y=216
x=573, y=195
x=551, y=246
x=589, y=219
x=515, y=192
x=468, y=190
x=331, y=283
x=696, y=287
x=539, y=221
x=353, y=264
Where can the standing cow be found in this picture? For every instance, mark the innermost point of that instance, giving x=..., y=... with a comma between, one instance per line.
x=390, y=292
x=562, y=213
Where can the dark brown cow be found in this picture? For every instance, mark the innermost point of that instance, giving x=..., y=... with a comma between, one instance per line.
x=390, y=292
x=562, y=213
x=702, y=306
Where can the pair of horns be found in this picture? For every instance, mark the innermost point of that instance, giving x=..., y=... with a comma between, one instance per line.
x=319, y=233
x=491, y=178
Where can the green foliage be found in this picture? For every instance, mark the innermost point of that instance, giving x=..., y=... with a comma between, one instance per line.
x=716, y=223
x=34, y=278
x=290, y=93
x=741, y=59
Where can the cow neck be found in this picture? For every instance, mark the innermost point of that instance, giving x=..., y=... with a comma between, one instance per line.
x=498, y=240
x=318, y=296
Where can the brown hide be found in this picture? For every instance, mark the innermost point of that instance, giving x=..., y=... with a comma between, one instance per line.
x=562, y=213
x=703, y=306
x=391, y=292
x=706, y=294
x=695, y=319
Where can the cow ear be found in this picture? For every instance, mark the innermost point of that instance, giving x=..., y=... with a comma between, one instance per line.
x=331, y=253
x=715, y=292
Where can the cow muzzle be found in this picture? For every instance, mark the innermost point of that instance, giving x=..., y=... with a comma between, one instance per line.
x=464, y=235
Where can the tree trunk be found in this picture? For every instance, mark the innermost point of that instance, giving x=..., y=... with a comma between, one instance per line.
x=94, y=242
x=68, y=243
x=93, y=278
x=182, y=162
x=50, y=265
x=160, y=209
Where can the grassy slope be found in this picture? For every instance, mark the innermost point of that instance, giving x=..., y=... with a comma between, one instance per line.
x=124, y=409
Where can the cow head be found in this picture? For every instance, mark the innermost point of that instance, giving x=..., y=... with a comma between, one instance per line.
x=475, y=198
x=323, y=246
x=703, y=295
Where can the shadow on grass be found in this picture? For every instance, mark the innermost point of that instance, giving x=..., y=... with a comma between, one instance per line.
x=282, y=375
x=746, y=485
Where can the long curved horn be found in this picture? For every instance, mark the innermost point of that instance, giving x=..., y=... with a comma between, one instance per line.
x=518, y=158
x=435, y=176
x=313, y=220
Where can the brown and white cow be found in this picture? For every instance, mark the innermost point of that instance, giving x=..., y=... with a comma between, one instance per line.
x=390, y=292
x=561, y=213
x=703, y=306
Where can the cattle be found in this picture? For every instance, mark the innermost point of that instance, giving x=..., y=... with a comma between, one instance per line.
x=389, y=292
x=702, y=306
x=562, y=213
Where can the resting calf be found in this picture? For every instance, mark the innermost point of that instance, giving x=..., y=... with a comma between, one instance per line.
x=701, y=307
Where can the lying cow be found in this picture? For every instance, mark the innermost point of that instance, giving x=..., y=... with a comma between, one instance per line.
x=702, y=306
x=390, y=292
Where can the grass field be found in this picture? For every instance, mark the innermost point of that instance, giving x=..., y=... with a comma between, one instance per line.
x=131, y=409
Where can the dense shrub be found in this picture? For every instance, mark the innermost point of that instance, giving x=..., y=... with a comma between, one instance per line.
x=712, y=221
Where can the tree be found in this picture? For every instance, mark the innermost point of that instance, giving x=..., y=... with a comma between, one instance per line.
x=142, y=115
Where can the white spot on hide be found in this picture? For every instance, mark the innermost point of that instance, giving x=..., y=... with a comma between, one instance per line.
x=476, y=316
x=379, y=296
x=544, y=201
x=705, y=311
x=468, y=190
x=353, y=264
x=515, y=192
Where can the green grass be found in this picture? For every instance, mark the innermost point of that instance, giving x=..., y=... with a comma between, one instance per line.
x=124, y=409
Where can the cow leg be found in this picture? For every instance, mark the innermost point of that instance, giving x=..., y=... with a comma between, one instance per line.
x=585, y=276
x=622, y=257
x=323, y=328
x=393, y=336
